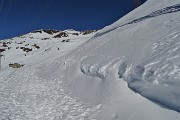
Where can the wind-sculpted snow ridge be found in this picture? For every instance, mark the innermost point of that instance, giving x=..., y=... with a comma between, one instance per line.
x=158, y=77
x=97, y=70
x=94, y=71
x=24, y=96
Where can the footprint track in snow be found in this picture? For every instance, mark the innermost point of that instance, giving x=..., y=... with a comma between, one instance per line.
x=25, y=96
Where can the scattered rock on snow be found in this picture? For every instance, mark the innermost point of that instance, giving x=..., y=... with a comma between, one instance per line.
x=16, y=65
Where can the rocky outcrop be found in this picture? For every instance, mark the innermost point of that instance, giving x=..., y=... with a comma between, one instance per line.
x=51, y=31
x=48, y=31
x=88, y=32
x=60, y=35
x=27, y=49
x=2, y=50
x=75, y=34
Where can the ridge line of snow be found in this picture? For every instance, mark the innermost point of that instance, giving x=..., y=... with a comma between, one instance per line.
x=171, y=9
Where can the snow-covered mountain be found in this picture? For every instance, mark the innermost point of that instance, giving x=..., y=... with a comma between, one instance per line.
x=41, y=45
x=127, y=71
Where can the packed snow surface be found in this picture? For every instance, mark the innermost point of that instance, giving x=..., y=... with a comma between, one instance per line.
x=129, y=70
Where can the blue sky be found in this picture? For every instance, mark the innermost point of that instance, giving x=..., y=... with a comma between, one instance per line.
x=22, y=16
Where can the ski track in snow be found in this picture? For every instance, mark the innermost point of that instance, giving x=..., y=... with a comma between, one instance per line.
x=24, y=96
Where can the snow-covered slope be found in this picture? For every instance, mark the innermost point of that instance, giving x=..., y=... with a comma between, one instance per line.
x=141, y=49
x=24, y=95
x=43, y=46
x=38, y=48
x=127, y=71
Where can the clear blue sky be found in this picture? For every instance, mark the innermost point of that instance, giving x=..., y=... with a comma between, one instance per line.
x=22, y=16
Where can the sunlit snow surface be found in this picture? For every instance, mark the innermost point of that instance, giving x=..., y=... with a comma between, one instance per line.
x=142, y=49
x=127, y=71
x=24, y=96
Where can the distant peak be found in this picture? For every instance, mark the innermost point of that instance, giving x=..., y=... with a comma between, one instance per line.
x=48, y=31
x=70, y=30
x=85, y=32
x=63, y=33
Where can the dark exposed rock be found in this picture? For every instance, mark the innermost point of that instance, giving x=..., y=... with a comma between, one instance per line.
x=75, y=34
x=8, y=43
x=2, y=50
x=16, y=65
x=27, y=49
x=48, y=31
x=22, y=47
x=45, y=38
x=51, y=31
x=36, y=46
x=4, y=45
x=88, y=32
x=37, y=31
x=68, y=40
x=62, y=34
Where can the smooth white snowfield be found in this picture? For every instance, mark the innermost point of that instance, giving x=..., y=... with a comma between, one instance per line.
x=129, y=70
